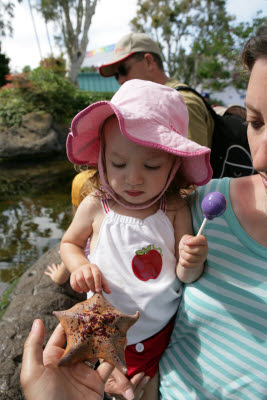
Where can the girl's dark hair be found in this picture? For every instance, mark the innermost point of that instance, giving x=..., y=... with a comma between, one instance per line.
x=255, y=48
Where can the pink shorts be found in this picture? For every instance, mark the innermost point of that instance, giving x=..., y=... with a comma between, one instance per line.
x=145, y=356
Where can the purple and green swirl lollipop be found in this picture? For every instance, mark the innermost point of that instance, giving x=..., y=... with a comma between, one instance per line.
x=213, y=205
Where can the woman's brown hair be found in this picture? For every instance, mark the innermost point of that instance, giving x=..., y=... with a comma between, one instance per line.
x=255, y=48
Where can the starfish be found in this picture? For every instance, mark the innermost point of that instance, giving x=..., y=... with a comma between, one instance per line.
x=95, y=329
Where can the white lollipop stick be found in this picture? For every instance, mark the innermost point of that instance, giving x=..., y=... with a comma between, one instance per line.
x=202, y=226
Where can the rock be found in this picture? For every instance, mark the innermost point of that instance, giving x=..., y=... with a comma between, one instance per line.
x=35, y=296
x=37, y=122
x=37, y=136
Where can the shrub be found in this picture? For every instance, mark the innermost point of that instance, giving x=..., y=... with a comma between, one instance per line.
x=12, y=108
x=83, y=99
x=43, y=90
x=56, y=64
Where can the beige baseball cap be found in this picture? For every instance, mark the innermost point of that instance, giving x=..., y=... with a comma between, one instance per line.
x=128, y=45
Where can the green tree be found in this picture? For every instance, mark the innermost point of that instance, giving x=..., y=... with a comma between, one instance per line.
x=241, y=33
x=6, y=15
x=198, y=38
x=73, y=19
x=4, y=68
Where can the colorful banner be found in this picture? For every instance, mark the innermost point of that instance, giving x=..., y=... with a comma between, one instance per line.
x=105, y=49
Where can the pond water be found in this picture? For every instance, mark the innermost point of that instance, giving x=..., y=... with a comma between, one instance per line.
x=30, y=224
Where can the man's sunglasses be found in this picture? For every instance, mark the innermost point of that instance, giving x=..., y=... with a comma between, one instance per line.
x=121, y=70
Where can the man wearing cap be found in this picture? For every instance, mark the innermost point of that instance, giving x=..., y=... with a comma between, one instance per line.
x=136, y=56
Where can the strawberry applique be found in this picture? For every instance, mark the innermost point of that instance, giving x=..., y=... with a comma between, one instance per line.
x=147, y=263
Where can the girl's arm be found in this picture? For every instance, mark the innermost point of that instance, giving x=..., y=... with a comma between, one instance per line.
x=75, y=238
x=191, y=251
x=84, y=275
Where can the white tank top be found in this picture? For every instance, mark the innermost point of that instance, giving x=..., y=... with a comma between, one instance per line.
x=137, y=257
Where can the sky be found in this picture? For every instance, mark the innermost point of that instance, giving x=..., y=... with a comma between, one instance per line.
x=109, y=23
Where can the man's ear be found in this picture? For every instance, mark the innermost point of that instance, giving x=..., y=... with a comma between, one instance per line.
x=149, y=60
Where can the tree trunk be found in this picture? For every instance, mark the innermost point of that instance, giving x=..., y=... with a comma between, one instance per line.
x=76, y=39
x=74, y=66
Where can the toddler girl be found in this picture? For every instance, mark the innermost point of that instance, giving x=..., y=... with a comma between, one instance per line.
x=137, y=221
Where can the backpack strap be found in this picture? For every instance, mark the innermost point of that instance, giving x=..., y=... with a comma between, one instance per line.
x=230, y=152
x=208, y=106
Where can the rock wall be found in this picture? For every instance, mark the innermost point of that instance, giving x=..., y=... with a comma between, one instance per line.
x=37, y=135
x=35, y=296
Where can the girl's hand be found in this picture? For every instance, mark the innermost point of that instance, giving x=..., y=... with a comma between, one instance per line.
x=89, y=277
x=193, y=251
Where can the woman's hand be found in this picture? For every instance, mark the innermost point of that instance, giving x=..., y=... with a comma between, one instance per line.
x=42, y=379
x=122, y=388
x=89, y=277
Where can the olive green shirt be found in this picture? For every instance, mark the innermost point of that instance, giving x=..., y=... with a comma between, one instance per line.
x=201, y=123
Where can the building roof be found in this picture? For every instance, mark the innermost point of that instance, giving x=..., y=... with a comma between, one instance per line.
x=94, y=82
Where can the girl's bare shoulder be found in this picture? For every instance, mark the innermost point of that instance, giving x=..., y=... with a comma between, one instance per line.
x=91, y=204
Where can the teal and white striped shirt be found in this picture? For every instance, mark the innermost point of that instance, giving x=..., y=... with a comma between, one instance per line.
x=218, y=348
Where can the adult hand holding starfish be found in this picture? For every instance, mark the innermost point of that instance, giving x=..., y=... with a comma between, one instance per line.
x=42, y=379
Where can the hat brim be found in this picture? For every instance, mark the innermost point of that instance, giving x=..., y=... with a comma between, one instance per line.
x=107, y=70
x=83, y=142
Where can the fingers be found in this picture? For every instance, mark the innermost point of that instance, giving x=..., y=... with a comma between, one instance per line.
x=81, y=280
x=139, y=381
x=118, y=384
x=58, y=337
x=105, y=285
x=74, y=283
x=104, y=370
x=193, y=250
x=33, y=351
x=97, y=278
x=89, y=277
x=51, y=270
x=55, y=347
x=188, y=240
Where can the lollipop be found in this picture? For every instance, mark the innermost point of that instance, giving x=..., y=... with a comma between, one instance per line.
x=213, y=205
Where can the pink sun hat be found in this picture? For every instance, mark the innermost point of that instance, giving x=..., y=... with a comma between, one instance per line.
x=149, y=114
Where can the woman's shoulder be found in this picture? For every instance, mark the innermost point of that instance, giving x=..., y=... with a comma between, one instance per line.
x=245, y=182
x=214, y=185
x=242, y=193
x=176, y=203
